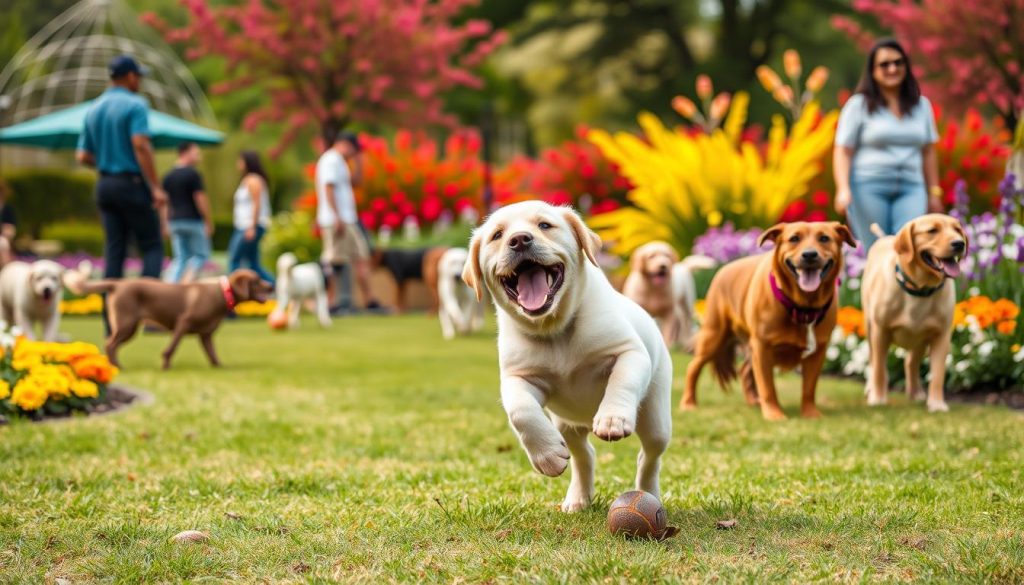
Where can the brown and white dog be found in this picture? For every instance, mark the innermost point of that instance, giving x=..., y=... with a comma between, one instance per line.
x=665, y=288
x=907, y=301
x=782, y=306
x=407, y=265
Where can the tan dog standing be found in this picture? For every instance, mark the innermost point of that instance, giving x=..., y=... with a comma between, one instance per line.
x=782, y=306
x=907, y=301
x=575, y=355
x=664, y=287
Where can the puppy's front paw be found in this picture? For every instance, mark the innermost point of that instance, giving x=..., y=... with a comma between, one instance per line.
x=877, y=398
x=550, y=460
x=612, y=427
x=937, y=406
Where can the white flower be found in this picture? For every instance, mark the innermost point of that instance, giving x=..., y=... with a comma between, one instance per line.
x=853, y=284
x=832, y=353
x=949, y=359
x=900, y=352
x=851, y=342
x=986, y=242
x=962, y=366
x=16, y=331
x=1017, y=230
x=837, y=336
x=985, y=349
x=1019, y=356
x=985, y=256
x=1009, y=250
x=966, y=349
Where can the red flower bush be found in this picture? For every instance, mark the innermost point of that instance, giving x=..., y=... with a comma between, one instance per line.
x=572, y=173
x=976, y=151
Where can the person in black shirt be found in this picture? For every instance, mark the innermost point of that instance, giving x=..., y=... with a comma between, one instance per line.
x=8, y=227
x=191, y=223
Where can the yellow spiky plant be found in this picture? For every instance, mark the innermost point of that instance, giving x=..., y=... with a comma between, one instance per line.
x=685, y=182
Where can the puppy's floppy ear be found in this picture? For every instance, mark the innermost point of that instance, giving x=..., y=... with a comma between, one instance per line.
x=905, y=241
x=636, y=260
x=472, y=274
x=588, y=241
x=844, y=234
x=771, y=234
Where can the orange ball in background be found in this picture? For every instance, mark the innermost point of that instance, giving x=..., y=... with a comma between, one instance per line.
x=278, y=320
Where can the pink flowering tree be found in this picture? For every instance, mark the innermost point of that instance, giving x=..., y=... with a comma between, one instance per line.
x=342, y=61
x=970, y=52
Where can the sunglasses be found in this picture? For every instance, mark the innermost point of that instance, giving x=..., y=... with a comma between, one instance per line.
x=897, y=63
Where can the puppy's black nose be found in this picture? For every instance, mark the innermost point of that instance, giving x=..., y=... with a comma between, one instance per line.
x=959, y=246
x=520, y=241
x=809, y=255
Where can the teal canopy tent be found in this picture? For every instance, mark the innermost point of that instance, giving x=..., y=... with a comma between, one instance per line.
x=59, y=130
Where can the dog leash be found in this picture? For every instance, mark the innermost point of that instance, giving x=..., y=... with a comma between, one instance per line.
x=917, y=291
x=229, y=295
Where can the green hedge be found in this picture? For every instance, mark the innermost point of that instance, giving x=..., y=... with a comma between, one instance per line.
x=76, y=236
x=44, y=196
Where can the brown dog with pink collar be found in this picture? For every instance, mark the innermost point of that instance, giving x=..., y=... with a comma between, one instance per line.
x=781, y=306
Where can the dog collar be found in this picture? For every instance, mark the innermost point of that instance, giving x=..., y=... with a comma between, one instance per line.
x=229, y=295
x=799, y=315
x=917, y=291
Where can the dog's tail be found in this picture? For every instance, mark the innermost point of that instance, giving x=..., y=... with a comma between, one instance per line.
x=698, y=262
x=877, y=230
x=77, y=280
x=723, y=364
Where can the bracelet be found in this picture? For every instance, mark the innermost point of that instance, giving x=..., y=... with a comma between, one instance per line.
x=936, y=191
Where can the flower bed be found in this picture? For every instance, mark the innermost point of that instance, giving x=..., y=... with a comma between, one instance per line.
x=43, y=378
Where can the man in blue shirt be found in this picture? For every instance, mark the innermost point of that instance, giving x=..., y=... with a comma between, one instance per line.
x=115, y=140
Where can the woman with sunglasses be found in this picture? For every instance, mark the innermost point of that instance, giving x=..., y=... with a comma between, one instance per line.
x=885, y=165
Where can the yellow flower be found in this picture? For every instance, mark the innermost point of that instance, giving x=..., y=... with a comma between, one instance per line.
x=1015, y=347
x=28, y=395
x=684, y=182
x=5, y=389
x=85, y=389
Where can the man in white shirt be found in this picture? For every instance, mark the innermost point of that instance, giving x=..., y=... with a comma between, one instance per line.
x=343, y=241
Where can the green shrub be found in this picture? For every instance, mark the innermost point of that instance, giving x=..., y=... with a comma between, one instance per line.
x=76, y=236
x=223, y=227
x=43, y=196
x=291, y=231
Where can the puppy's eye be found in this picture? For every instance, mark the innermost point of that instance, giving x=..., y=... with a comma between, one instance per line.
x=545, y=225
x=823, y=239
x=934, y=230
x=497, y=235
x=794, y=238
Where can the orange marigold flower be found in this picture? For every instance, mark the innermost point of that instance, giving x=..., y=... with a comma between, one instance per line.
x=1006, y=327
x=1005, y=309
x=96, y=368
x=851, y=320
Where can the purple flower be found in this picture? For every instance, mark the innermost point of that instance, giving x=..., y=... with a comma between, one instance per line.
x=725, y=244
x=960, y=200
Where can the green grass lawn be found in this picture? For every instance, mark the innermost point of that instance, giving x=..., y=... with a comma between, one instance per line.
x=377, y=452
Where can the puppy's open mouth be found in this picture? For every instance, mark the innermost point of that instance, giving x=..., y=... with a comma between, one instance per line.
x=949, y=267
x=659, y=277
x=533, y=286
x=809, y=278
x=47, y=294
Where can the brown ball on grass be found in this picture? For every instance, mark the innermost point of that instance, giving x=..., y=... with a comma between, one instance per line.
x=638, y=514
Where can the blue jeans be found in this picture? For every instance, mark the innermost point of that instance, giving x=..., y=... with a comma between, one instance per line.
x=190, y=246
x=242, y=251
x=890, y=203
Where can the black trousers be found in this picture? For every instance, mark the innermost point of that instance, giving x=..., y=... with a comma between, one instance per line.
x=126, y=211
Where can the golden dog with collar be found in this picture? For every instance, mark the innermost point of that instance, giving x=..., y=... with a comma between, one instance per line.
x=907, y=301
x=782, y=306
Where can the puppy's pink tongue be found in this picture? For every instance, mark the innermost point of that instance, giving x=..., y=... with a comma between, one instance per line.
x=951, y=268
x=809, y=280
x=532, y=289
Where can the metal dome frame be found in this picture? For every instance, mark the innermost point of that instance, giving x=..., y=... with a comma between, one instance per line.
x=65, y=64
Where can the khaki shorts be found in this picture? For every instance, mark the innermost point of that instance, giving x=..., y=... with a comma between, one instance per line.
x=346, y=248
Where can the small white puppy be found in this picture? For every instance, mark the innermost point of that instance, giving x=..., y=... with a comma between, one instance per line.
x=459, y=311
x=570, y=343
x=298, y=283
x=30, y=294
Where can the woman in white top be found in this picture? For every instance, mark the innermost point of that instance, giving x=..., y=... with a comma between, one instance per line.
x=885, y=164
x=251, y=216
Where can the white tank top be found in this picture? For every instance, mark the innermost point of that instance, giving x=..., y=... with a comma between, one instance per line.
x=244, y=203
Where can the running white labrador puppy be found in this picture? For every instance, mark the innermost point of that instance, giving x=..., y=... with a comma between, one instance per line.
x=298, y=283
x=30, y=294
x=570, y=343
x=459, y=311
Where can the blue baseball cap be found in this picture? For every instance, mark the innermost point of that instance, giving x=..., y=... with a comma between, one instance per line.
x=123, y=65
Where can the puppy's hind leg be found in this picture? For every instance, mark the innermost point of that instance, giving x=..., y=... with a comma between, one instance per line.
x=749, y=385
x=120, y=333
x=211, y=354
x=323, y=313
x=581, y=486
x=654, y=429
